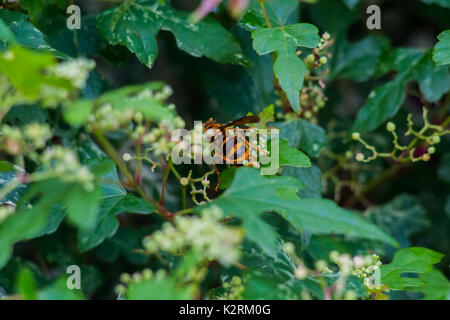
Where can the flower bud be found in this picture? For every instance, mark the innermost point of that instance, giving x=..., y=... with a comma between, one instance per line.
x=127, y=157
x=390, y=126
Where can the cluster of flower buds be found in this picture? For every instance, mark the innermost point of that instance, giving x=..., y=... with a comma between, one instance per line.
x=160, y=136
x=419, y=149
x=64, y=164
x=24, y=141
x=234, y=289
x=76, y=71
x=127, y=279
x=106, y=118
x=312, y=95
x=205, y=234
x=360, y=266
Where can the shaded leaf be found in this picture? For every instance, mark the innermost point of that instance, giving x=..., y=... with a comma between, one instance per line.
x=441, y=52
x=408, y=260
x=135, y=24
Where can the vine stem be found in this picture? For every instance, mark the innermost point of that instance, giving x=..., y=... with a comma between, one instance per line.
x=165, y=178
x=109, y=149
x=263, y=8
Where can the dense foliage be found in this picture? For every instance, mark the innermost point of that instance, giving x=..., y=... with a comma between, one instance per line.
x=359, y=208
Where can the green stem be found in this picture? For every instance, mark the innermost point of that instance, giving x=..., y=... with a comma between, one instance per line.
x=263, y=8
x=164, y=184
x=109, y=149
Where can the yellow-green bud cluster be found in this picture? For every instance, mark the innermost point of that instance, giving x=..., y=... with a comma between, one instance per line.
x=360, y=266
x=64, y=164
x=127, y=279
x=22, y=141
x=212, y=239
x=76, y=71
x=235, y=289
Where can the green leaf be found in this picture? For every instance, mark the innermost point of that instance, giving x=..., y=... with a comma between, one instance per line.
x=351, y=3
x=25, y=223
x=441, y=52
x=138, y=97
x=408, y=260
x=251, y=194
x=442, y=3
x=5, y=34
x=25, y=33
x=8, y=176
x=385, y=101
x=82, y=206
x=288, y=68
x=382, y=104
x=36, y=7
x=59, y=291
x=444, y=168
x=159, y=289
x=358, y=61
x=402, y=217
x=280, y=12
x=311, y=177
x=434, y=81
x=136, y=23
x=107, y=223
x=436, y=286
x=35, y=80
x=292, y=157
x=303, y=135
x=269, y=277
x=26, y=284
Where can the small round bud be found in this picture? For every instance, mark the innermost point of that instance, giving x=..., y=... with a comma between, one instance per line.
x=127, y=157
x=334, y=255
x=321, y=265
x=140, y=130
x=326, y=36
x=350, y=295
x=138, y=117
x=310, y=58
x=356, y=135
x=359, y=157
x=301, y=272
x=431, y=150
x=147, y=274
x=137, y=277
x=348, y=154
x=120, y=289
x=323, y=60
x=184, y=181
x=308, y=114
x=436, y=139
x=289, y=248
x=236, y=281
x=125, y=278
x=390, y=126
x=426, y=157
